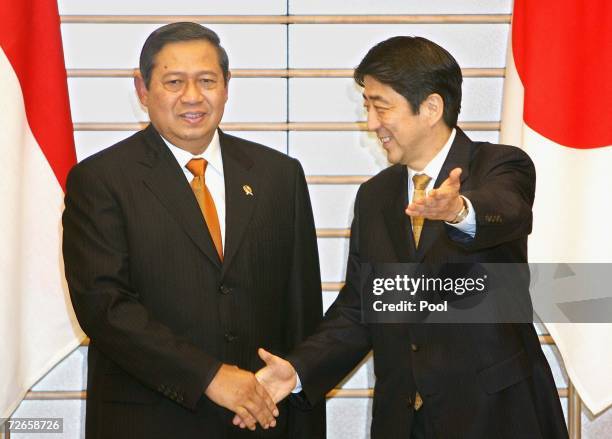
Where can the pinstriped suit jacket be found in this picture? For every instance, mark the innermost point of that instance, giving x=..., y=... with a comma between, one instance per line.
x=162, y=311
x=478, y=381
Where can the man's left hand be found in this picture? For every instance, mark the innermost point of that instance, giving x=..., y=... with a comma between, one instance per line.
x=443, y=203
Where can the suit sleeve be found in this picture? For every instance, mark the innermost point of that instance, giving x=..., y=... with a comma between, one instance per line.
x=304, y=306
x=341, y=340
x=502, y=202
x=108, y=307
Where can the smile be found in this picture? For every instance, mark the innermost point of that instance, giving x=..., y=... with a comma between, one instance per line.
x=384, y=139
x=193, y=117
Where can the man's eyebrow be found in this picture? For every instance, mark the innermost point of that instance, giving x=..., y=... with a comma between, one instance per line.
x=375, y=98
x=180, y=72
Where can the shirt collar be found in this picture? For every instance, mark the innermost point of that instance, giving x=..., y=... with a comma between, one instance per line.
x=212, y=154
x=434, y=167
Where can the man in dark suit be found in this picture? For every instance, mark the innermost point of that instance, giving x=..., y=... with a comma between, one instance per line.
x=445, y=200
x=185, y=249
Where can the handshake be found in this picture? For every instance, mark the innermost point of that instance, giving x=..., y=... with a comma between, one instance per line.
x=253, y=397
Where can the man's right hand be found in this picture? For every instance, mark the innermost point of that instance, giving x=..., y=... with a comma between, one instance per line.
x=239, y=391
x=278, y=378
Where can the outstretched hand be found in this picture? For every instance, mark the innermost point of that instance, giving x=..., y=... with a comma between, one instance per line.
x=278, y=378
x=443, y=203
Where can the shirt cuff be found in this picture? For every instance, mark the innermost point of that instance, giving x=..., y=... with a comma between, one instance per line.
x=298, y=384
x=468, y=225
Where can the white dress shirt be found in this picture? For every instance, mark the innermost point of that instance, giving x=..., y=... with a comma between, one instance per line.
x=214, y=177
x=432, y=169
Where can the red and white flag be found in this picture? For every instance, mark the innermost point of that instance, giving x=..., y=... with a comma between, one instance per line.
x=558, y=107
x=37, y=325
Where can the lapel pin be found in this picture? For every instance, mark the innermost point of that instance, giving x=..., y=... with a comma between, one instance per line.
x=247, y=190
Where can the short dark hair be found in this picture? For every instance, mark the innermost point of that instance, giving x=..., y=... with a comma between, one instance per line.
x=175, y=33
x=415, y=68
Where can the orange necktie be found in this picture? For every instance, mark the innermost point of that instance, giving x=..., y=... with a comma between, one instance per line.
x=207, y=205
x=420, y=183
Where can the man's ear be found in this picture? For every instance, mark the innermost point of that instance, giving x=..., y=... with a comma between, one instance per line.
x=433, y=107
x=229, y=76
x=141, y=89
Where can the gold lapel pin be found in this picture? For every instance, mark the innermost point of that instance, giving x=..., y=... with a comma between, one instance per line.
x=247, y=190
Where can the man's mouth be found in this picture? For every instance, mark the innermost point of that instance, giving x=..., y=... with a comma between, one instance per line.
x=385, y=139
x=193, y=116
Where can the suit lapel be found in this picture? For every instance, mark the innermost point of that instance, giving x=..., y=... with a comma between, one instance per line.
x=167, y=182
x=458, y=157
x=398, y=223
x=241, y=193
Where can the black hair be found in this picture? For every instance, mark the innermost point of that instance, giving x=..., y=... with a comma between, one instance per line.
x=415, y=68
x=175, y=33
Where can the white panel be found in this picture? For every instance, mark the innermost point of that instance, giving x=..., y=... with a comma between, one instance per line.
x=175, y=7
x=344, y=45
x=362, y=377
x=71, y=411
x=556, y=364
x=325, y=99
x=90, y=142
x=104, y=100
x=332, y=204
x=333, y=253
x=115, y=100
x=483, y=136
x=70, y=374
x=349, y=418
x=257, y=100
x=482, y=99
x=89, y=46
x=338, y=153
x=340, y=100
x=401, y=7
x=328, y=299
x=273, y=139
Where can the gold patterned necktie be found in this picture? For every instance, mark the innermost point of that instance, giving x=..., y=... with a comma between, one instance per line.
x=420, y=182
x=207, y=205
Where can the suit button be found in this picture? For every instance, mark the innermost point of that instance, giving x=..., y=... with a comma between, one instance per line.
x=230, y=337
x=225, y=290
x=414, y=347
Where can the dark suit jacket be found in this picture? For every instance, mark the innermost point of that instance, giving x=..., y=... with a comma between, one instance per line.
x=160, y=308
x=477, y=381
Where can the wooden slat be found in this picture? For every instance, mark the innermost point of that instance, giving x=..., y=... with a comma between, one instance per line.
x=400, y=19
x=271, y=126
x=272, y=73
x=56, y=395
x=293, y=19
x=337, y=179
x=337, y=286
x=163, y=19
x=335, y=393
x=350, y=393
x=332, y=286
x=574, y=412
x=546, y=339
x=333, y=233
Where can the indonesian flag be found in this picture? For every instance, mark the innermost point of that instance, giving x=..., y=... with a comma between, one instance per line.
x=558, y=107
x=37, y=325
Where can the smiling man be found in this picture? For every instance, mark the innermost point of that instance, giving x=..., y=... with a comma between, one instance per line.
x=185, y=249
x=445, y=199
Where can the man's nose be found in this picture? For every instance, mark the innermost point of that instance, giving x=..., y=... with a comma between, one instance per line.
x=373, y=121
x=192, y=92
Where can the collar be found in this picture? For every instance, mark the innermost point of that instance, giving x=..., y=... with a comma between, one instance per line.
x=433, y=168
x=212, y=154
